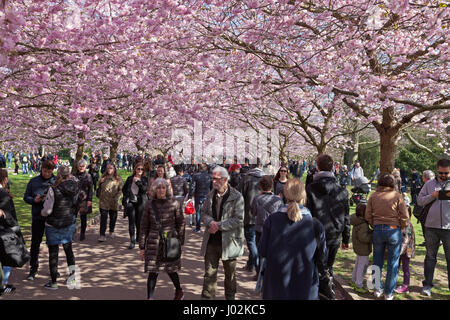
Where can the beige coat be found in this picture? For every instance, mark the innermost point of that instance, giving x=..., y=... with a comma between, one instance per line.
x=386, y=206
x=109, y=193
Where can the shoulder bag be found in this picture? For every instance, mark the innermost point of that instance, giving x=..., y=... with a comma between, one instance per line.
x=424, y=212
x=13, y=252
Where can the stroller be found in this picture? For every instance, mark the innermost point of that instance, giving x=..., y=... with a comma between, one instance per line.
x=360, y=191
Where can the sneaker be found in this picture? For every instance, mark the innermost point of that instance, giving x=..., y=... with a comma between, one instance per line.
x=9, y=288
x=179, y=295
x=377, y=293
x=426, y=291
x=360, y=289
x=32, y=275
x=102, y=239
x=389, y=297
x=197, y=230
x=111, y=235
x=71, y=282
x=51, y=286
x=402, y=289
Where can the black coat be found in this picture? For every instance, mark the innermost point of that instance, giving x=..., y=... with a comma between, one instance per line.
x=201, y=184
x=328, y=202
x=7, y=205
x=35, y=186
x=94, y=171
x=128, y=198
x=65, y=205
x=249, y=187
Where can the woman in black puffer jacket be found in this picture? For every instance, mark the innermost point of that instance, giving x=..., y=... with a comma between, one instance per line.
x=134, y=200
x=60, y=207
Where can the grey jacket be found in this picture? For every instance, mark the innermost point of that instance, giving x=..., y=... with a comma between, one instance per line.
x=231, y=224
x=439, y=214
x=263, y=206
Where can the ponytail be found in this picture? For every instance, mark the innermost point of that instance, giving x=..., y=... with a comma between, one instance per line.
x=294, y=191
x=294, y=213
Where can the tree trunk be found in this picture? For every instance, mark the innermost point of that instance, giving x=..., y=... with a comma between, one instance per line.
x=321, y=148
x=354, y=152
x=113, y=151
x=78, y=157
x=388, y=140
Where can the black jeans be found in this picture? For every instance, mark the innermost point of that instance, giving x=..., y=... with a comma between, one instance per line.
x=134, y=214
x=83, y=225
x=104, y=219
x=37, y=232
x=53, y=258
x=332, y=249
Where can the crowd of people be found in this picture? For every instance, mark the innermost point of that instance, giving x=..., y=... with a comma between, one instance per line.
x=292, y=230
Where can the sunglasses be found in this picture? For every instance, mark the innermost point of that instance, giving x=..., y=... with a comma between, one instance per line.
x=140, y=169
x=217, y=178
x=443, y=173
x=283, y=170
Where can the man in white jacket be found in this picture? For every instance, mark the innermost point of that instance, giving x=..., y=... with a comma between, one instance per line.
x=357, y=172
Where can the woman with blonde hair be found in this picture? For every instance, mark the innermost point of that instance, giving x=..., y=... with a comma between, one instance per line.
x=293, y=244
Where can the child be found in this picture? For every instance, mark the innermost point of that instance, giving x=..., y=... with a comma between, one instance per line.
x=362, y=245
x=408, y=252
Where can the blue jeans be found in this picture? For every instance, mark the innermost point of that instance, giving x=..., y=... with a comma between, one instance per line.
x=250, y=237
x=433, y=238
x=6, y=272
x=383, y=236
x=24, y=168
x=198, y=207
x=9, y=163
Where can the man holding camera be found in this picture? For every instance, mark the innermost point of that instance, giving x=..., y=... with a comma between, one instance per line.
x=437, y=223
x=35, y=195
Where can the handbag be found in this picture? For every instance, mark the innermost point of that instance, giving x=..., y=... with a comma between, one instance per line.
x=171, y=246
x=13, y=252
x=424, y=213
x=189, y=208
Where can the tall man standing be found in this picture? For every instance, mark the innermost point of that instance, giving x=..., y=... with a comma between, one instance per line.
x=35, y=195
x=223, y=216
x=328, y=201
x=249, y=188
x=437, y=223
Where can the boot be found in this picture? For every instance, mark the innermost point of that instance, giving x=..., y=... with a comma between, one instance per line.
x=82, y=236
x=132, y=243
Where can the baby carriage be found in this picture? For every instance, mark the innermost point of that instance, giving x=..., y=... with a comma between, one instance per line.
x=360, y=191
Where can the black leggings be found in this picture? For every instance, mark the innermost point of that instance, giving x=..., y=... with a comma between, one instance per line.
x=53, y=258
x=151, y=282
x=134, y=212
